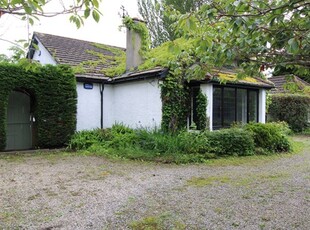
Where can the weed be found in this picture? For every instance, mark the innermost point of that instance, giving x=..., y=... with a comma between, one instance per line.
x=148, y=223
x=163, y=221
x=201, y=181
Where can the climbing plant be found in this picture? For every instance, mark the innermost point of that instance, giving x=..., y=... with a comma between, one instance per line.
x=141, y=29
x=53, y=92
x=202, y=103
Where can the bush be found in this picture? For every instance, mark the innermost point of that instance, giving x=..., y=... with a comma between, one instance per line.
x=235, y=142
x=183, y=147
x=270, y=136
x=293, y=109
x=85, y=139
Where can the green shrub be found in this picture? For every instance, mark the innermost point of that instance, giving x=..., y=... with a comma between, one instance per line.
x=291, y=108
x=183, y=147
x=86, y=138
x=270, y=136
x=194, y=143
x=306, y=132
x=236, y=142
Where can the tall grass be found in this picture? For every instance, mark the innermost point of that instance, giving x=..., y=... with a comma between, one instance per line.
x=183, y=147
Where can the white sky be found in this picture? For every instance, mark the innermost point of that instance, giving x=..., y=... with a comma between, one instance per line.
x=106, y=31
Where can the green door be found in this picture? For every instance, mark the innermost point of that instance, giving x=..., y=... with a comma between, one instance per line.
x=19, y=134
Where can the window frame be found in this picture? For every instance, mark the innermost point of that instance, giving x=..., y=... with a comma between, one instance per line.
x=248, y=90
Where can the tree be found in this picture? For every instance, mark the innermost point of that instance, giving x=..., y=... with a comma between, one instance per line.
x=253, y=34
x=32, y=9
x=157, y=15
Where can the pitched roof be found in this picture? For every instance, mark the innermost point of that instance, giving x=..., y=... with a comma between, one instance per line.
x=75, y=52
x=281, y=82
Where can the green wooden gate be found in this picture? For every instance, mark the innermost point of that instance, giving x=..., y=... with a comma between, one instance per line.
x=19, y=135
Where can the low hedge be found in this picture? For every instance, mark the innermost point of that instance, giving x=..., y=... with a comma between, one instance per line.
x=235, y=142
x=291, y=108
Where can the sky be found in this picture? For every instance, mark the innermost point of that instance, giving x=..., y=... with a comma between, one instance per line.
x=106, y=31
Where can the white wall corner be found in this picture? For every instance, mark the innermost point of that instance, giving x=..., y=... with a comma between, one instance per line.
x=262, y=106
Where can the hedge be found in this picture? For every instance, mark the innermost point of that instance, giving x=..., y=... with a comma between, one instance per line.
x=270, y=136
x=291, y=108
x=53, y=93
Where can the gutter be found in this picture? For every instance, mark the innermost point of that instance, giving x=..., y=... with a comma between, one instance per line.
x=101, y=104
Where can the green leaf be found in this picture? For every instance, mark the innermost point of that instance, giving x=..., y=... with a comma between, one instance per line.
x=95, y=3
x=27, y=9
x=30, y=21
x=87, y=13
x=14, y=2
x=293, y=45
x=96, y=16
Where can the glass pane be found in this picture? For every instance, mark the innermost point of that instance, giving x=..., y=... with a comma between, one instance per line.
x=229, y=107
x=195, y=93
x=217, y=107
x=253, y=106
x=242, y=106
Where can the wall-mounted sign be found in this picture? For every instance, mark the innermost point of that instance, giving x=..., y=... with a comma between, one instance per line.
x=88, y=85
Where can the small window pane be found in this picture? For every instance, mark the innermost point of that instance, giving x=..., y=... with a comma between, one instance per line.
x=253, y=106
x=242, y=105
x=229, y=107
x=217, y=108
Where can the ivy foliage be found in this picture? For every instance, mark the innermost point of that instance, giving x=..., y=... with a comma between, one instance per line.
x=175, y=103
x=291, y=108
x=202, y=103
x=141, y=29
x=53, y=93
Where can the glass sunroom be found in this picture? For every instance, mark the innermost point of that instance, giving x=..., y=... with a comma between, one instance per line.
x=236, y=101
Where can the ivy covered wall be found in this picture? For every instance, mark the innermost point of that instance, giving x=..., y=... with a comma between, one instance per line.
x=53, y=92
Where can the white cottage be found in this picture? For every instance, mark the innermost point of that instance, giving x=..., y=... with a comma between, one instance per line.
x=134, y=98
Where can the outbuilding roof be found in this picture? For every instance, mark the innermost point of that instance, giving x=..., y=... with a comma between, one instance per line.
x=281, y=83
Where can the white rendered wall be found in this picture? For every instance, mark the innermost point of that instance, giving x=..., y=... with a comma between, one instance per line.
x=42, y=55
x=108, y=106
x=207, y=89
x=88, y=107
x=262, y=106
x=137, y=104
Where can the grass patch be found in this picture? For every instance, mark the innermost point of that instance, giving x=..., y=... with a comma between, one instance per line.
x=159, y=222
x=205, y=181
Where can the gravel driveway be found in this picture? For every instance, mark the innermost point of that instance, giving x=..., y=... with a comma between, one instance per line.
x=58, y=191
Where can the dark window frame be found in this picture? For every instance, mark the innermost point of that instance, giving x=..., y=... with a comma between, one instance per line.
x=222, y=88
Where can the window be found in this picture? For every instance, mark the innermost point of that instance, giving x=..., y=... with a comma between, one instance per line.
x=234, y=105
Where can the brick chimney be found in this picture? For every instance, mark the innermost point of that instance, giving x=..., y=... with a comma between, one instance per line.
x=133, y=45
